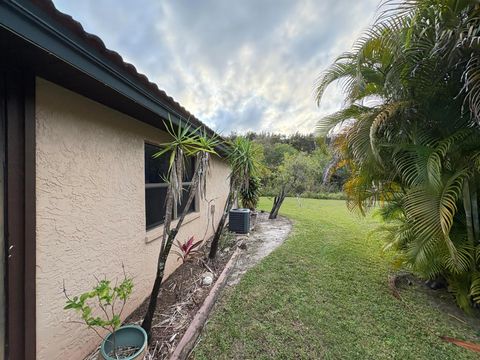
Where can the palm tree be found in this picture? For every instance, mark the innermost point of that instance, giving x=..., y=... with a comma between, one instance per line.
x=242, y=158
x=186, y=143
x=412, y=88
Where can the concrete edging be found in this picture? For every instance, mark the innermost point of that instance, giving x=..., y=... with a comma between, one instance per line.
x=187, y=343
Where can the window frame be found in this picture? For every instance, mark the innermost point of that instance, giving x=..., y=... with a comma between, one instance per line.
x=175, y=213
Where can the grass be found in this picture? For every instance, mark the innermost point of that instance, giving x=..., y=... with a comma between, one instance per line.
x=324, y=295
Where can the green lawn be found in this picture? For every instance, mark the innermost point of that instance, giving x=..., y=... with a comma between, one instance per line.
x=324, y=295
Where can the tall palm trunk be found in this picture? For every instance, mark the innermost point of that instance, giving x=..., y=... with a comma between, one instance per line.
x=165, y=250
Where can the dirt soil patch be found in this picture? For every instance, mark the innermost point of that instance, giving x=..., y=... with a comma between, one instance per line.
x=181, y=296
x=183, y=293
x=266, y=237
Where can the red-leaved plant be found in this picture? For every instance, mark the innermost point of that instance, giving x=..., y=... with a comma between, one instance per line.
x=187, y=249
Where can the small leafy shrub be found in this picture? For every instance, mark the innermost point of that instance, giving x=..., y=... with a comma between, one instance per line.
x=109, y=299
x=251, y=195
x=188, y=249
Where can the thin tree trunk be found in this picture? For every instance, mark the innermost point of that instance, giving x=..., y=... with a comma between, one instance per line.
x=474, y=202
x=165, y=251
x=277, y=203
x=152, y=305
x=277, y=208
x=162, y=258
x=221, y=225
x=280, y=202
x=274, y=206
x=468, y=211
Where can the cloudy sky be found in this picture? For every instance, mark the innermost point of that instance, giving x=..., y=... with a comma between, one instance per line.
x=237, y=65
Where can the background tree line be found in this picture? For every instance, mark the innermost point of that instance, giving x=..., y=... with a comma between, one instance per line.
x=297, y=163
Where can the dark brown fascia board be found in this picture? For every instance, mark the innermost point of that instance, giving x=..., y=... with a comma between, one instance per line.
x=30, y=23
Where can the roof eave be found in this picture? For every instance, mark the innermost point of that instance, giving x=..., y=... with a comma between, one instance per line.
x=27, y=21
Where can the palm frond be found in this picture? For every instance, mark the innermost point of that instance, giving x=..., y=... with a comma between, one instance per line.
x=340, y=117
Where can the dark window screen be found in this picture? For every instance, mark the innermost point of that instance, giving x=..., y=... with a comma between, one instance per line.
x=155, y=169
x=155, y=206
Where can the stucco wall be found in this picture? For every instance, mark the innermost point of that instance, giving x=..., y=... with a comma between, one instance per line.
x=91, y=211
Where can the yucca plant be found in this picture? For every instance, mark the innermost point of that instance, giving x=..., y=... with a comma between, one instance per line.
x=242, y=158
x=251, y=194
x=186, y=142
x=410, y=134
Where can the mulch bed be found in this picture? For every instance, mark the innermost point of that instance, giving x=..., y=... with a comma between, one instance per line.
x=181, y=295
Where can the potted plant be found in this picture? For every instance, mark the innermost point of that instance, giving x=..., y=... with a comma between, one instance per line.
x=127, y=342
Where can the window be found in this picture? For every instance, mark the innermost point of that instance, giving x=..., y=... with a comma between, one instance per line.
x=156, y=188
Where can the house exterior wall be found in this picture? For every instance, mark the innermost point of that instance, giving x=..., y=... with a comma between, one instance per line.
x=91, y=211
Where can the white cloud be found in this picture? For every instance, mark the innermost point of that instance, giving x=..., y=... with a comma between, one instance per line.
x=237, y=65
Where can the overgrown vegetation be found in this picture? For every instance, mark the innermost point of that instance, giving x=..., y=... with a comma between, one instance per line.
x=324, y=295
x=304, y=157
x=293, y=165
x=410, y=135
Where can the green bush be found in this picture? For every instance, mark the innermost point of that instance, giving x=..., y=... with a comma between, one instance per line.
x=312, y=195
x=324, y=195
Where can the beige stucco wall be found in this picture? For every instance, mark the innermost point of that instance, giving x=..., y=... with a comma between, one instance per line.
x=91, y=211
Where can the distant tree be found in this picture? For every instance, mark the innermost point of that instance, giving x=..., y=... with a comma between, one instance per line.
x=275, y=154
x=299, y=169
x=305, y=143
x=251, y=135
x=274, y=148
x=293, y=176
x=319, y=159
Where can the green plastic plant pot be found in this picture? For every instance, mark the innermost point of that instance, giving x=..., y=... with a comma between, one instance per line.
x=128, y=335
